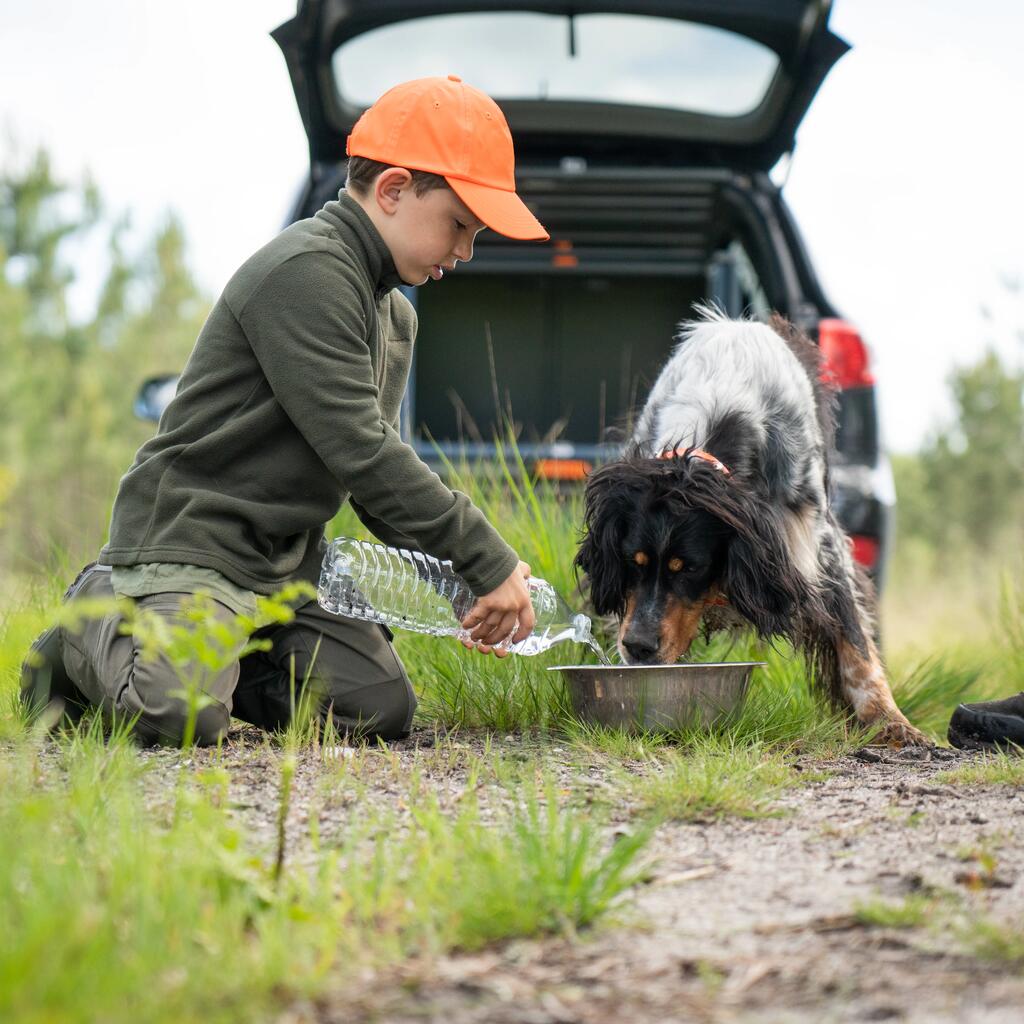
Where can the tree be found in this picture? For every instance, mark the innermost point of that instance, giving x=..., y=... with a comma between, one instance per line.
x=965, y=489
x=976, y=469
x=66, y=428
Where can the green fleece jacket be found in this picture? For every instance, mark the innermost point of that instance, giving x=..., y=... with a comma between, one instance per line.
x=288, y=406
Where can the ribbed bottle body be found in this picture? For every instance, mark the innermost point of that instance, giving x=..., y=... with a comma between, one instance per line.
x=406, y=589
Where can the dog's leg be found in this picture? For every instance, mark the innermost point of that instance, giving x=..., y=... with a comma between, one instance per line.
x=843, y=646
x=863, y=684
x=864, y=687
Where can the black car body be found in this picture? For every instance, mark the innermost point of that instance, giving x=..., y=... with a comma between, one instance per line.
x=645, y=132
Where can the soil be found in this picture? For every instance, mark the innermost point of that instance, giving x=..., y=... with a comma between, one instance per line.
x=742, y=920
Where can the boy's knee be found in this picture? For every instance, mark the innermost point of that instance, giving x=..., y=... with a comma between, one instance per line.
x=154, y=696
x=396, y=719
x=212, y=724
x=169, y=726
x=382, y=711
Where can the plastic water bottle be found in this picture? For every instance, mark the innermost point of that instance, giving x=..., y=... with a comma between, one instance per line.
x=411, y=590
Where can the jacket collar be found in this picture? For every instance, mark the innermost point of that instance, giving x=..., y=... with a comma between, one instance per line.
x=359, y=231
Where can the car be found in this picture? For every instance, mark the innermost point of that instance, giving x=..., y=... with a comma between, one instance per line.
x=646, y=135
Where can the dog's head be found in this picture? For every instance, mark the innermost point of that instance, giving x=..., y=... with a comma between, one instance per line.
x=666, y=538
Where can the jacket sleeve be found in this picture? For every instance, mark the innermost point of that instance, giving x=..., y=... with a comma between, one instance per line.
x=384, y=533
x=307, y=325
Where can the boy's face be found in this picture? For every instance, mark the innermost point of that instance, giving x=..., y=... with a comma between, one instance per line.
x=427, y=234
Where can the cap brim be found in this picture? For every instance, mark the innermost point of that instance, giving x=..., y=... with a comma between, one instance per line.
x=500, y=210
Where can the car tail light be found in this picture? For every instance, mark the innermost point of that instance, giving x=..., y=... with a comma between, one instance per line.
x=563, y=255
x=844, y=361
x=562, y=469
x=865, y=550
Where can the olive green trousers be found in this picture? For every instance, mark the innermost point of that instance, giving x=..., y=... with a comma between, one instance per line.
x=343, y=666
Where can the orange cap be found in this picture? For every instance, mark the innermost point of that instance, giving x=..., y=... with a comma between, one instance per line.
x=446, y=127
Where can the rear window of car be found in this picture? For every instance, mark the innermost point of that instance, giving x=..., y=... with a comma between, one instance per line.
x=608, y=58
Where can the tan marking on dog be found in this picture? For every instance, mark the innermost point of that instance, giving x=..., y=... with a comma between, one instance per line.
x=866, y=689
x=627, y=618
x=641, y=558
x=675, y=564
x=679, y=627
x=802, y=541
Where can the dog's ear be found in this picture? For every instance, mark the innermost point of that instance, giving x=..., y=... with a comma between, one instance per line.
x=606, y=511
x=759, y=579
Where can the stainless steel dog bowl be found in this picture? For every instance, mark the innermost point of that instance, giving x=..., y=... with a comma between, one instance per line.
x=657, y=698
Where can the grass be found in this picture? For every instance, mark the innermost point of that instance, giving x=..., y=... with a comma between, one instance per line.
x=913, y=912
x=128, y=898
x=540, y=870
x=715, y=779
x=948, y=916
x=119, y=908
x=991, y=770
x=996, y=941
x=461, y=689
x=92, y=884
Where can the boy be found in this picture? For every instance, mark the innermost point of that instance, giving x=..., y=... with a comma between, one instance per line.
x=287, y=407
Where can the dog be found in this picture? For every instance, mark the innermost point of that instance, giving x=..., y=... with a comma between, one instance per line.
x=717, y=516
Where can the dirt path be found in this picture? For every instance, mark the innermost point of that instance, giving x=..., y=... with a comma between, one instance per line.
x=743, y=920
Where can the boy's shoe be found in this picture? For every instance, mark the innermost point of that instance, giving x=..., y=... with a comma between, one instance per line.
x=988, y=724
x=44, y=679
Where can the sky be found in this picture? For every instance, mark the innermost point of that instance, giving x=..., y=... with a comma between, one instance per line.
x=906, y=180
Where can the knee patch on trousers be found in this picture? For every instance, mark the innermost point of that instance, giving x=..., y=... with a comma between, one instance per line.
x=382, y=710
x=168, y=727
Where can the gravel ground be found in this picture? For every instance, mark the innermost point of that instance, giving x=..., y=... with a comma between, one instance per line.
x=743, y=920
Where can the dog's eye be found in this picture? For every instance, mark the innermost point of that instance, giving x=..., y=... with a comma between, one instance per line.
x=676, y=565
x=641, y=558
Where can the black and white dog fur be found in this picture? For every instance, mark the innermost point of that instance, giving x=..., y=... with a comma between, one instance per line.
x=718, y=517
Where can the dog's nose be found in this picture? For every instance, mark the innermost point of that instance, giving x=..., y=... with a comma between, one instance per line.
x=640, y=650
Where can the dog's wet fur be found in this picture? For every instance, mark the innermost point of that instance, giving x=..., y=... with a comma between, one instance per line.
x=674, y=545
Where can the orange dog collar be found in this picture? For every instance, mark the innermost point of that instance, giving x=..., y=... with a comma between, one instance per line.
x=696, y=453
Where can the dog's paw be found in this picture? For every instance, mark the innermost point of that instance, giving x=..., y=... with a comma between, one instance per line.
x=902, y=734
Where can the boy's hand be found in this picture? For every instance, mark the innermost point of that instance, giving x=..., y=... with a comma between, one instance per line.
x=494, y=615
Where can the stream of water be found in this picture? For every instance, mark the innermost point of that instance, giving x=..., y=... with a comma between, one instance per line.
x=598, y=650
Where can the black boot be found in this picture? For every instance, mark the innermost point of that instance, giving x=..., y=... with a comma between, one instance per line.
x=988, y=724
x=45, y=682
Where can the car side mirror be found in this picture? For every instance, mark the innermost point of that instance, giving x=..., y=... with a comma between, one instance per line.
x=154, y=396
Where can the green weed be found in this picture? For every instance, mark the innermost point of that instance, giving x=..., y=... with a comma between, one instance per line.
x=617, y=744
x=540, y=870
x=913, y=912
x=111, y=916
x=463, y=689
x=993, y=940
x=121, y=909
x=929, y=690
x=990, y=770
x=715, y=779
x=946, y=914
